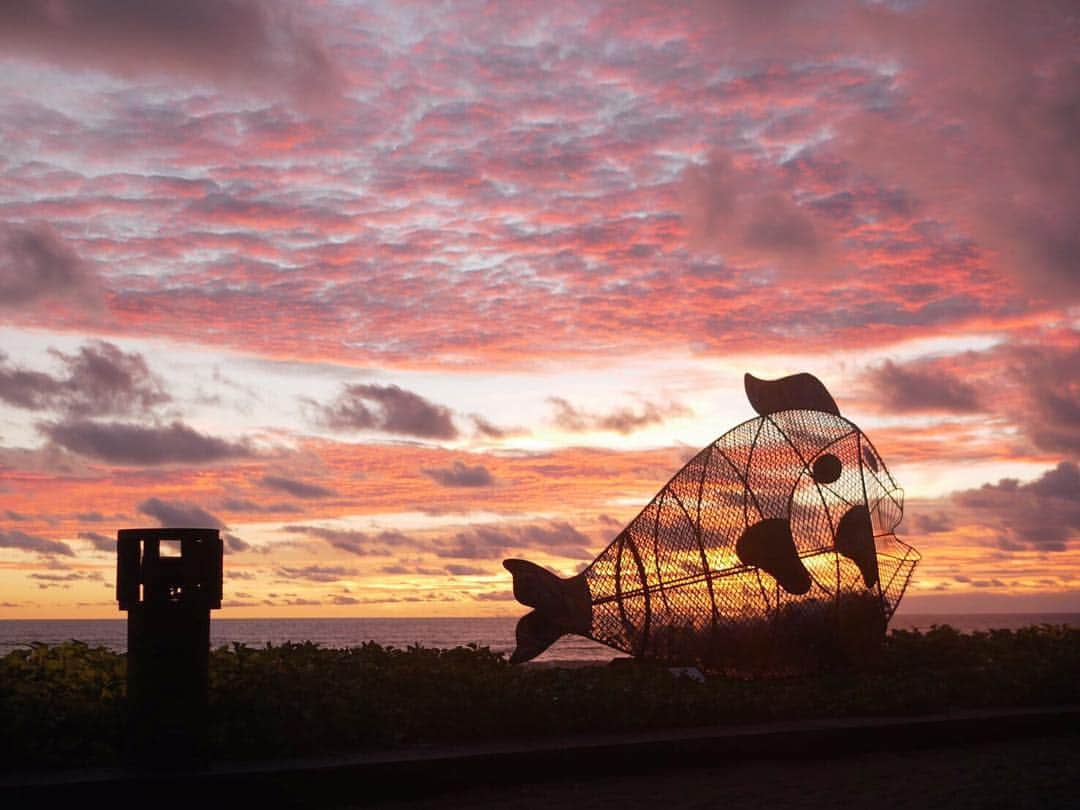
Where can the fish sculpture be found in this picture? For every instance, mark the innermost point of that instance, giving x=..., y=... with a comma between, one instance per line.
x=776, y=538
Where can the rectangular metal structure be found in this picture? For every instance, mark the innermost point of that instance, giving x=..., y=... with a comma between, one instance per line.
x=168, y=599
x=143, y=574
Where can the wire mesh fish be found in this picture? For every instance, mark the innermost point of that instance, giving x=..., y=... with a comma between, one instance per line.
x=775, y=540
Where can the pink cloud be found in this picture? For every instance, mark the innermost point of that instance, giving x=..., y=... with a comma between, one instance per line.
x=136, y=444
x=37, y=266
x=100, y=379
x=1043, y=514
x=734, y=210
x=234, y=43
x=516, y=188
x=572, y=208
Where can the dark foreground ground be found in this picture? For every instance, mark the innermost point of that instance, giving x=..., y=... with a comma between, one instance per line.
x=936, y=719
x=1031, y=773
x=1016, y=758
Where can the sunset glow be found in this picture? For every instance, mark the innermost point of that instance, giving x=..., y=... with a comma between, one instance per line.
x=389, y=291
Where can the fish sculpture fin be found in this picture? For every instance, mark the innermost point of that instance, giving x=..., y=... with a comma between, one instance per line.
x=799, y=392
x=855, y=540
x=534, y=634
x=562, y=606
x=769, y=546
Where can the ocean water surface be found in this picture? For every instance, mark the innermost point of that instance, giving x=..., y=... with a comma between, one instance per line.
x=495, y=633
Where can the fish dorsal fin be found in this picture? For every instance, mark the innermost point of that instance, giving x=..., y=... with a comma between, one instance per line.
x=799, y=392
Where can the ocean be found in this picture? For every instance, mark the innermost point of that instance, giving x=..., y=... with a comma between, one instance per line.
x=496, y=633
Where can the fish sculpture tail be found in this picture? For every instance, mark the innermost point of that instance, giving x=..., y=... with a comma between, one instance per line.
x=561, y=606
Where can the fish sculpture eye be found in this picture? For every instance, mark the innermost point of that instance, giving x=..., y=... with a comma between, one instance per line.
x=827, y=468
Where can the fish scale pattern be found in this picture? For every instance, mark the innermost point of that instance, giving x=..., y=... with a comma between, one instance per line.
x=672, y=585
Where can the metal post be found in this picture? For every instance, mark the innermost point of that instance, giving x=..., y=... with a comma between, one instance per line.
x=168, y=598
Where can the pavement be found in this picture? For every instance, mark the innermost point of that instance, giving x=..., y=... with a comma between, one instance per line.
x=442, y=772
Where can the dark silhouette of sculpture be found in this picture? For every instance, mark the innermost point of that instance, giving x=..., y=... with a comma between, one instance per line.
x=773, y=548
x=168, y=599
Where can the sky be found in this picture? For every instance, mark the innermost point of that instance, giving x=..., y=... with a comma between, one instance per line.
x=388, y=292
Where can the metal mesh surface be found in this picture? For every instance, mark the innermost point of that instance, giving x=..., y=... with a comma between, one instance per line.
x=672, y=585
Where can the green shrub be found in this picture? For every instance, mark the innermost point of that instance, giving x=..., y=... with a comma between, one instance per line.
x=64, y=706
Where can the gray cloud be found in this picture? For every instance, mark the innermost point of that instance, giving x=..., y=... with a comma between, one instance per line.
x=179, y=514
x=387, y=600
x=24, y=388
x=979, y=583
x=750, y=214
x=341, y=599
x=32, y=542
x=921, y=387
x=247, y=505
x=485, y=429
x=620, y=420
x=100, y=541
x=235, y=544
x=351, y=541
x=36, y=265
x=491, y=542
x=299, y=489
x=101, y=379
x=495, y=596
x=1005, y=167
x=466, y=570
x=123, y=443
x=482, y=542
x=1061, y=482
x=71, y=576
x=1043, y=514
x=460, y=475
x=924, y=523
x=233, y=43
x=295, y=601
x=977, y=125
x=1051, y=410
x=357, y=542
x=389, y=409
x=411, y=570
x=317, y=573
